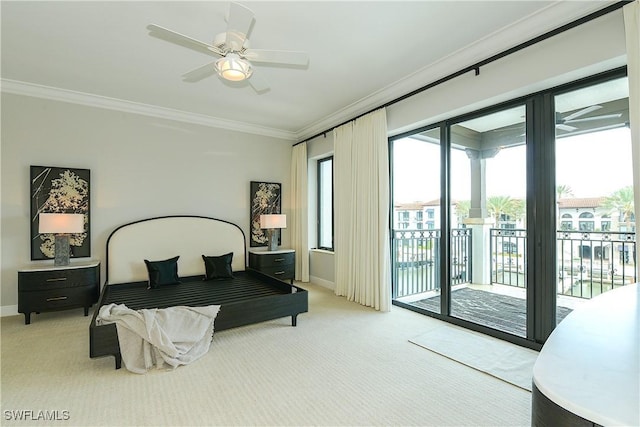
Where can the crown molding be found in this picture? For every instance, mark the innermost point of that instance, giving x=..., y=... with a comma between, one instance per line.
x=553, y=16
x=91, y=100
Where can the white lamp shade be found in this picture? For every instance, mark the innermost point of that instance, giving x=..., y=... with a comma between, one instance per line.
x=273, y=221
x=59, y=223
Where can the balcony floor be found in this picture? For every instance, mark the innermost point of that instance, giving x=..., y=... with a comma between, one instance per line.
x=496, y=306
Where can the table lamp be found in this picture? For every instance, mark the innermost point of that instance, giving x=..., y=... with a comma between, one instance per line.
x=61, y=225
x=273, y=223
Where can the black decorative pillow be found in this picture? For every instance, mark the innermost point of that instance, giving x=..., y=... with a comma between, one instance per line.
x=218, y=267
x=163, y=272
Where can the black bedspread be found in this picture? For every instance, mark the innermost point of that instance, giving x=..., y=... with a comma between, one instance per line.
x=248, y=298
x=193, y=291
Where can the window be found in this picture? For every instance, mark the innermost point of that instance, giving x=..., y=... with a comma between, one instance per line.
x=325, y=203
x=586, y=225
x=566, y=225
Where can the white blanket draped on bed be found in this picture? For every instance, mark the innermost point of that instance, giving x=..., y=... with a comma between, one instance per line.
x=158, y=337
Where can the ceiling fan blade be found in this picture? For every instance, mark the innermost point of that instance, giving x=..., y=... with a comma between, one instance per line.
x=277, y=56
x=182, y=40
x=258, y=84
x=601, y=117
x=566, y=128
x=581, y=112
x=199, y=73
x=240, y=20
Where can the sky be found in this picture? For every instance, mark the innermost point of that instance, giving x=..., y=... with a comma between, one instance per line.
x=592, y=165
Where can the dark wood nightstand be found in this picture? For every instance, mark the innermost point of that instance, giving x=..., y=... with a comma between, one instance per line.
x=280, y=263
x=58, y=288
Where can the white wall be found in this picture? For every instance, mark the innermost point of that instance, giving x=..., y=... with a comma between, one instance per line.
x=593, y=47
x=596, y=46
x=140, y=167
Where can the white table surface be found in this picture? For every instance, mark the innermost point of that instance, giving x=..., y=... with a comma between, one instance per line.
x=267, y=252
x=50, y=267
x=590, y=365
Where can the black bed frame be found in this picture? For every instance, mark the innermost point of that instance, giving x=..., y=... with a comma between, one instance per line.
x=274, y=300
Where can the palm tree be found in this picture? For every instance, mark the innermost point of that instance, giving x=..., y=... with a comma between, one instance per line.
x=563, y=191
x=499, y=205
x=621, y=201
x=462, y=209
x=517, y=209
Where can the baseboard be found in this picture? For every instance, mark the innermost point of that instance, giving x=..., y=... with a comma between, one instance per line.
x=322, y=282
x=8, y=310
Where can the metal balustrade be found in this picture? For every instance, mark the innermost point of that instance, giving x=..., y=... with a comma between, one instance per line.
x=416, y=266
x=508, y=248
x=589, y=263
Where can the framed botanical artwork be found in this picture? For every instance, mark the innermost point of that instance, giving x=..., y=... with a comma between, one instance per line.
x=265, y=198
x=59, y=190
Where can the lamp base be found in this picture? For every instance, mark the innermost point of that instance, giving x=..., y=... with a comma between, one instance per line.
x=61, y=257
x=272, y=239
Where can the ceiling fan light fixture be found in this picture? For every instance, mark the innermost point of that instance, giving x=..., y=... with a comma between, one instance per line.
x=233, y=68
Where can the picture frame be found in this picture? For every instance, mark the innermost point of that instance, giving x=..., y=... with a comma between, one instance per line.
x=265, y=198
x=59, y=190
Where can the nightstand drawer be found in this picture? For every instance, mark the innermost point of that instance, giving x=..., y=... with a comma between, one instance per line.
x=282, y=272
x=280, y=264
x=55, y=299
x=54, y=279
x=271, y=260
x=58, y=288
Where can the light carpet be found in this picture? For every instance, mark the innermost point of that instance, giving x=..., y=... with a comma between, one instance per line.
x=344, y=364
x=501, y=359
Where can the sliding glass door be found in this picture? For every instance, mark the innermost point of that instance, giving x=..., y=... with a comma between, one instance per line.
x=416, y=228
x=506, y=219
x=488, y=257
x=594, y=193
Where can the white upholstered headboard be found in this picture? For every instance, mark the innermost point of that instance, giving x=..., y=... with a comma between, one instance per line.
x=161, y=238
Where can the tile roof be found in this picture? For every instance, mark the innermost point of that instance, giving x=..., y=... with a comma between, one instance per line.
x=581, y=202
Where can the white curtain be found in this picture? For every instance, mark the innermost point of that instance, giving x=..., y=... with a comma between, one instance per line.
x=631, y=13
x=299, y=215
x=361, y=211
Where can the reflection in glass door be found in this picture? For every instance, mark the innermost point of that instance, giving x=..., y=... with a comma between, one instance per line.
x=596, y=242
x=416, y=224
x=488, y=258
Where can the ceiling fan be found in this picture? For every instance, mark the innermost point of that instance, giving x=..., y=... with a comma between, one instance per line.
x=232, y=48
x=563, y=122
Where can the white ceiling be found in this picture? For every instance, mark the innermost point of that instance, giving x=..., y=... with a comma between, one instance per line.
x=362, y=54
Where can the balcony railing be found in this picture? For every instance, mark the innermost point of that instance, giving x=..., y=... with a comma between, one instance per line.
x=589, y=263
x=417, y=260
x=508, y=256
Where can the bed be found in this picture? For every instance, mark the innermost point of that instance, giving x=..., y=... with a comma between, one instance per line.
x=249, y=297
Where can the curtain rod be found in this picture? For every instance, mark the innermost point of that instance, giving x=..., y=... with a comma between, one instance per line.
x=476, y=67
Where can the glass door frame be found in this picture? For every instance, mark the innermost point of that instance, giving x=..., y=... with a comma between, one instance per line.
x=541, y=213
